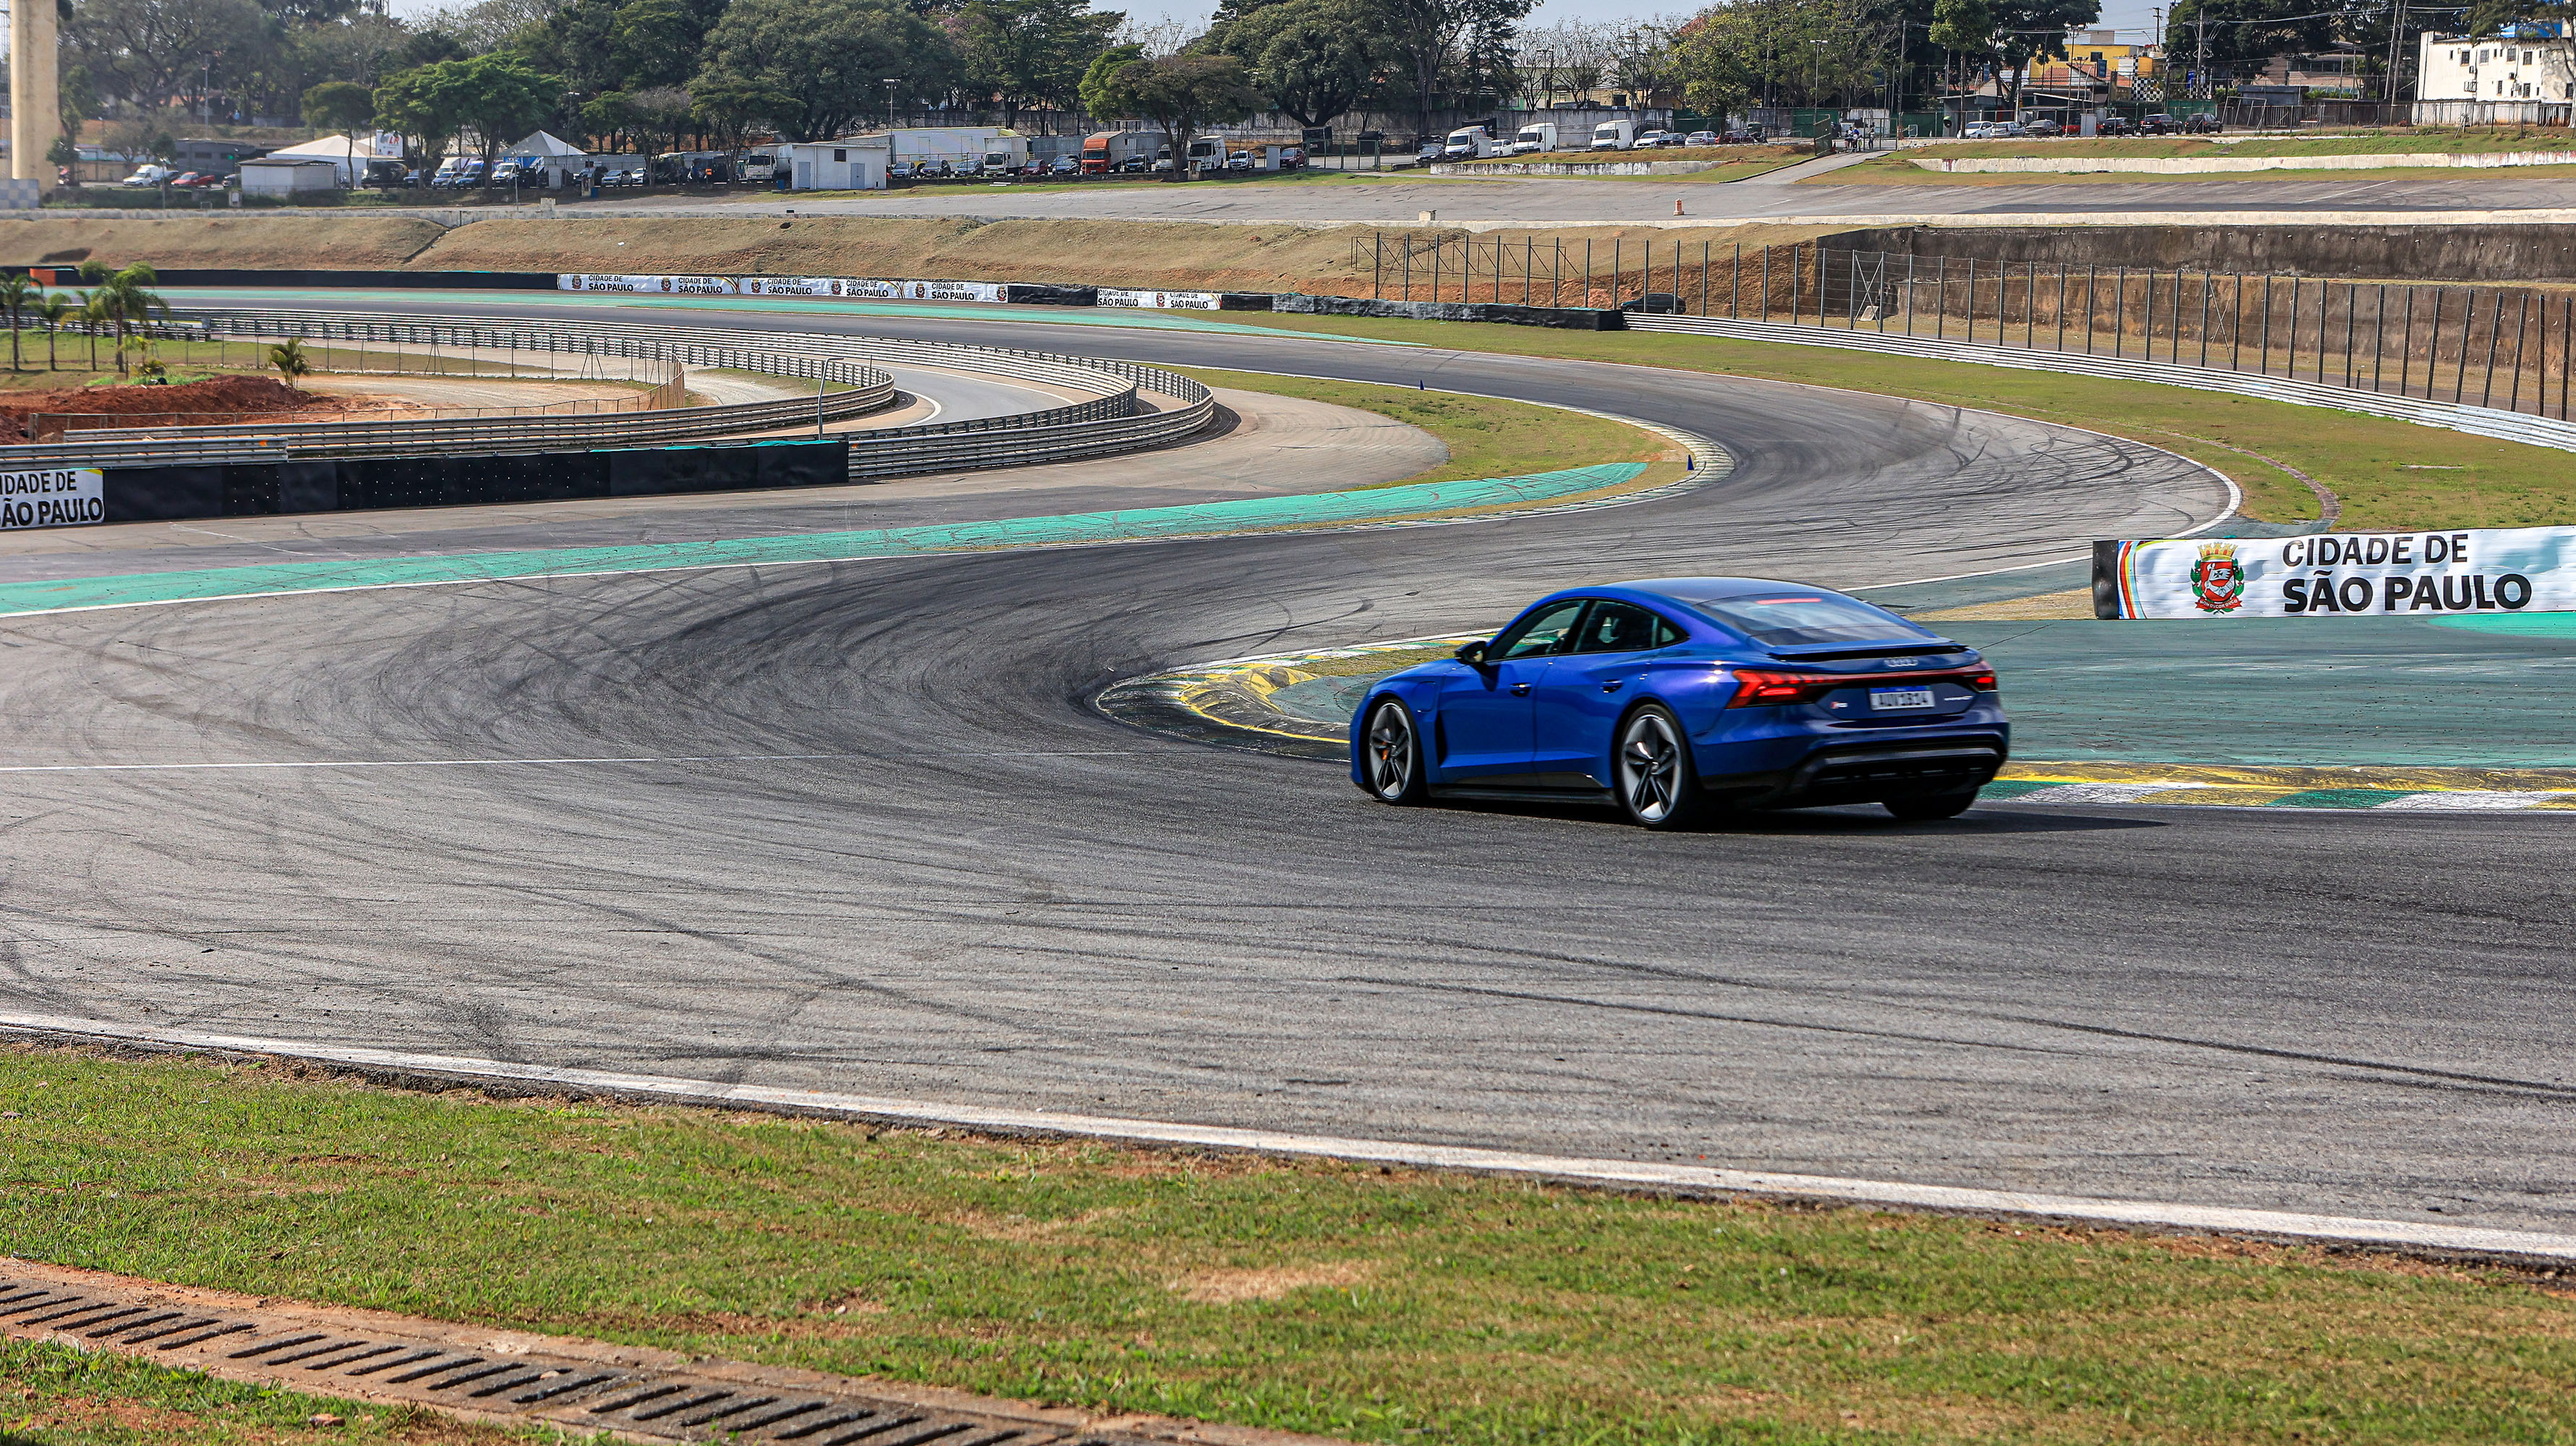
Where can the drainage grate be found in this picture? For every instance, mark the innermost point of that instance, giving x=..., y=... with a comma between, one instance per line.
x=527, y=1379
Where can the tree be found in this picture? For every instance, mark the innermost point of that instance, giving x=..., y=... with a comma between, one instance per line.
x=126, y=301
x=18, y=292
x=345, y=104
x=423, y=103
x=1031, y=52
x=2009, y=34
x=2246, y=34
x=494, y=96
x=1179, y=93
x=52, y=311
x=830, y=58
x=1095, y=91
x=1313, y=59
x=1426, y=35
x=289, y=359
x=653, y=44
x=731, y=108
x=1796, y=52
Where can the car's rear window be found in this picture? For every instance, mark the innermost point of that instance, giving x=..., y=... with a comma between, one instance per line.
x=1792, y=616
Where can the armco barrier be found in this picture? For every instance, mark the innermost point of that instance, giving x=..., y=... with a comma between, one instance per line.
x=1112, y=419
x=2450, y=416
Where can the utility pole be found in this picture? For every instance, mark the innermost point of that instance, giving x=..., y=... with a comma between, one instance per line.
x=2396, y=52
x=2200, y=58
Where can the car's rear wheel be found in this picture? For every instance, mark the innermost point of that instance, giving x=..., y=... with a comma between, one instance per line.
x=1927, y=806
x=1392, y=754
x=1657, y=785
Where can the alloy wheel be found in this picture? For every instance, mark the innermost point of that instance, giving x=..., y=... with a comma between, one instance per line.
x=1650, y=767
x=1392, y=756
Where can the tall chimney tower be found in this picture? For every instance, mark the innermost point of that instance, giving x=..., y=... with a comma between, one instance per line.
x=35, y=91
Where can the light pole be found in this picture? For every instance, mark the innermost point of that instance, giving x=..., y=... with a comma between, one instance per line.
x=892, y=83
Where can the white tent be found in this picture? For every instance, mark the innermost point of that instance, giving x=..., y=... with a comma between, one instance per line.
x=350, y=155
x=547, y=160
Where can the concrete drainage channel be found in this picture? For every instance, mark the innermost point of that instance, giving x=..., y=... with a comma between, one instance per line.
x=521, y=1379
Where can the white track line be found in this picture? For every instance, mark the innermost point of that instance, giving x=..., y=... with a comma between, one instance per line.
x=1689, y=1179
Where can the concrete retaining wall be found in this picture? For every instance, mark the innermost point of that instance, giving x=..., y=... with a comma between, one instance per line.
x=2475, y=253
x=1574, y=168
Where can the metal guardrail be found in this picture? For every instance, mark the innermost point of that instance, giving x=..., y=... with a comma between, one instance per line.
x=2450, y=416
x=1109, y=421
x=1082, y=429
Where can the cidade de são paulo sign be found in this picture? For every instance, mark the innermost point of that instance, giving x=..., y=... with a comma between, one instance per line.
x=2380, y=574
x=52, y=497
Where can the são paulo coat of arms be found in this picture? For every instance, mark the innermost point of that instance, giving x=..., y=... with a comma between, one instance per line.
x=2217, y=583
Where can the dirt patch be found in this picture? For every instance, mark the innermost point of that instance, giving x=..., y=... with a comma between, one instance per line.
x=1231, y=1287
x=304, y=241
x=1178, y=255
x=212, y=402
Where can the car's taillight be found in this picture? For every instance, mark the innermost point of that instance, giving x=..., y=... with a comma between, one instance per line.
x=1982, y=680
x=1755, y=689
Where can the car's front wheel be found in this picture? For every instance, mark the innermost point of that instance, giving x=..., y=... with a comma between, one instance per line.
x=1658, y=786
x=1392, y=754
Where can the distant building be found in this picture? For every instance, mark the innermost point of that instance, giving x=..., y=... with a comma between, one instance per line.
x=2526, y=76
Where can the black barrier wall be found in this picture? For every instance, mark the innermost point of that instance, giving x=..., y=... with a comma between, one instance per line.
x=351, y=484
x=405, y=280
x=1575, y=318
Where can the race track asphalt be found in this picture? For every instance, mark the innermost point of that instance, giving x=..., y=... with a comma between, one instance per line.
x=881, y=844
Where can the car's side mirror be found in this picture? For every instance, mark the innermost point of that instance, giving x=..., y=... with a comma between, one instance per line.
x=1472, y=654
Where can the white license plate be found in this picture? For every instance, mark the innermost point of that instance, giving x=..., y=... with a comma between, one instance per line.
x=1899, y=700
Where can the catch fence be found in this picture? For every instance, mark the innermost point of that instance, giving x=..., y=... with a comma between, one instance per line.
x=2500, y=347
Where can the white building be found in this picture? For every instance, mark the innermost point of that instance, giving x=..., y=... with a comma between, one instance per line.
x=349, y=155
x=283, y=176
x=853, y=163
x=2525, y=79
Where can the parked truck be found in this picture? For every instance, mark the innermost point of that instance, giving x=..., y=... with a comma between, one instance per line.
x=1108, y=152
x=961, y=148
x=1531, y=139
x=1615, y=135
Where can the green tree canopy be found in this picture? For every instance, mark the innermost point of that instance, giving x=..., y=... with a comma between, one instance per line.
x=1179, y=93
x=1312, y=59
x=1031, y=52
x=831, y=58
x=339, y=105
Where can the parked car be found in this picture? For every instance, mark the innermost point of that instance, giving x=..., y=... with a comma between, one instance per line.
x=147, y=176
x=196, y=181
x=1703, y=138
x=1241, y=160
x=1429, y=152
x=2116, y=125
x=1684, y=698
x=1742, y=136
x=2159, y=124
x=1065, y=166
x=2204, y=124
x=506, y=174
x=1138, y=165
x=1649, y=138
x=902, y=171
x=2043, y=128
x=1292, y=158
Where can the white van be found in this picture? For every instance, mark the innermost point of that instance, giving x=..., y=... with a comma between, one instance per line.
x=760, y=166
x=1532, y=139
x=1469, y=143
x=1615, y=135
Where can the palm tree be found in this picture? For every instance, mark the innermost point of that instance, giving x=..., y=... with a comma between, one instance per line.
x=93, y=315
x=18, y=291
x=289, y=359
x=128, y=304
x=51, y=311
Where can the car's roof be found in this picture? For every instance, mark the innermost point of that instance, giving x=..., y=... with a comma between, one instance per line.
x=1687, y=590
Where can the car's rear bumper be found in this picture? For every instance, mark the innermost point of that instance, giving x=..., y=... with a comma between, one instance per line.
x=1869, y=772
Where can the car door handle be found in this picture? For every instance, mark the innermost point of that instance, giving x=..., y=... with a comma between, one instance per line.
x=1612, y=686
x=1520, y=690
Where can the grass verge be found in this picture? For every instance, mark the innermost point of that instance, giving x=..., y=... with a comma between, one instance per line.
x=2361, y=143
x=1308, y=1295
x=1486, y=436
x=1901, y=171
x=2390, y=475
x=51, y=1395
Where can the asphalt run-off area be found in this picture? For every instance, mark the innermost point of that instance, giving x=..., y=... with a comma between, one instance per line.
x=829, y=773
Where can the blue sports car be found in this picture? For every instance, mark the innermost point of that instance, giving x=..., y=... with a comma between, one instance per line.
x=1681, y=698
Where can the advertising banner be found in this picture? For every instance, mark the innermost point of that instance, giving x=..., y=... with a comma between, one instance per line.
x=1159, y=300
x=2378, y=574
x=54, y=497
x=950, y=290
x=670, y=285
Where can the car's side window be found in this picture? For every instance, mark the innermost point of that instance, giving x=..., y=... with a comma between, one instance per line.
x=1541, y=633
x=1617, y=627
